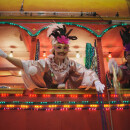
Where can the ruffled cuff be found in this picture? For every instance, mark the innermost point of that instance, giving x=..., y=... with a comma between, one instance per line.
x=89, y=78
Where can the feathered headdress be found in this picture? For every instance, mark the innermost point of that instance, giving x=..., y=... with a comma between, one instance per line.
x=58, y=34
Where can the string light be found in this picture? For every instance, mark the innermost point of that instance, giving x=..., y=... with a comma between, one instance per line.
x=64, y=95
x=20, y=73
x=52, y=106
x=4, y=95
x=78, y=104
x=126, y=95
x=10, y=106
x=77, y=54
x=24, y=106
x=60, y=95
x=44, y=54
x=66, y=106
x=11, y=54
x=78, y=109
x=73, y=95
x=62, y=107
x=114, y=95
x=18, y=95
x=38, y=106
x=32, y=95
x=46, y=95
x=87, y=95
x=48, y=109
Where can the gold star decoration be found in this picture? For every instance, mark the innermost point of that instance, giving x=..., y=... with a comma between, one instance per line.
x=98, y=30
x=34, y=29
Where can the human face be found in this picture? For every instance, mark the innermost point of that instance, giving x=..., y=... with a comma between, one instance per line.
x=61, y=50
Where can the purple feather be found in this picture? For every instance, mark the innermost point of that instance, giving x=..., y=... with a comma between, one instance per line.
x=127, y=47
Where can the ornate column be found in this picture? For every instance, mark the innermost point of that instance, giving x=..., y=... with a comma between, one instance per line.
x=33, y=48
x=101, y=61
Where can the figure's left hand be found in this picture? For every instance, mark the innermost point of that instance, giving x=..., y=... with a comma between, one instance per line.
x=84, y=87
x=99, y=86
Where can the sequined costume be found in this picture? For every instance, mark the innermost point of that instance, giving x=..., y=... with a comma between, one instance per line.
x=49, y=74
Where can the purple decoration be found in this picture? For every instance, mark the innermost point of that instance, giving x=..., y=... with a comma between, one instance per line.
x=99, y=75
x=127, y=47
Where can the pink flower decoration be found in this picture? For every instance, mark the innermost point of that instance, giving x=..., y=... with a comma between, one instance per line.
x=63, y=39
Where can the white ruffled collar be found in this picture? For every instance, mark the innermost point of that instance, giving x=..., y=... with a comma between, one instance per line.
x=64, y=67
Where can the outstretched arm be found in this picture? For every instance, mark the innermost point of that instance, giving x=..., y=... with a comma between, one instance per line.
x=14, y=61
x=89, y=77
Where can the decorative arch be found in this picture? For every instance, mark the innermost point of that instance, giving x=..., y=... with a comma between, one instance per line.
x=13, y=24
x=88, y=29
x=37, y=33
x=67, y=23
x=114, y=26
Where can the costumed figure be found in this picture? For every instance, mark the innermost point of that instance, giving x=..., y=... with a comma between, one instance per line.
x=123, y=71
x=56, y=71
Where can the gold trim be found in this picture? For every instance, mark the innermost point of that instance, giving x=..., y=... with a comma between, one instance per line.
x=122, y=91
x=71, y=18
x=58, y=91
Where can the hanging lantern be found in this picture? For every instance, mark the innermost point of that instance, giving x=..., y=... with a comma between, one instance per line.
x=109, y=55
x=11, y=54
x=44, y=54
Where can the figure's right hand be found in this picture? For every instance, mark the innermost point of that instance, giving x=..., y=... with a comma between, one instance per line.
x=99, y=86
x=3, y=54
x=112, y=63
